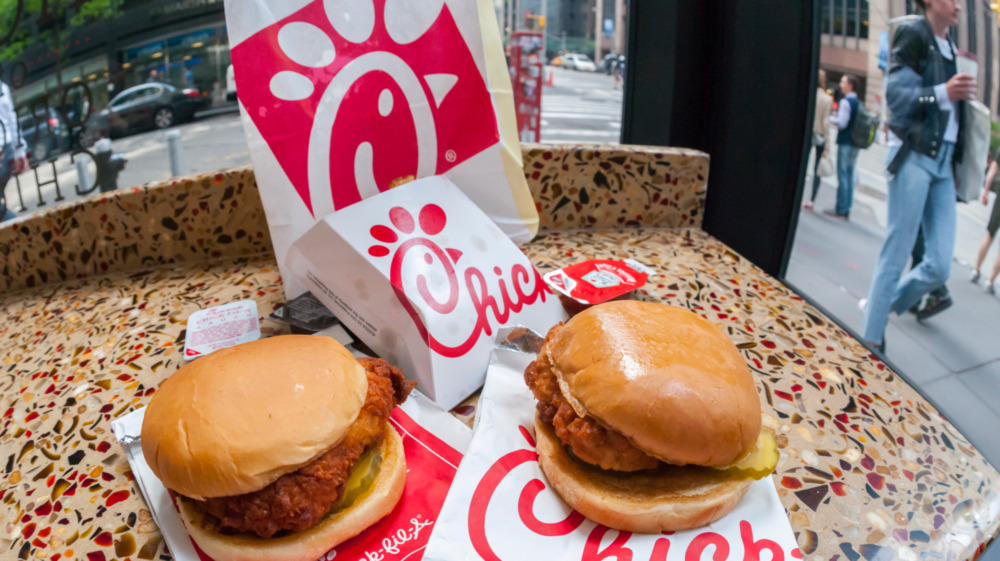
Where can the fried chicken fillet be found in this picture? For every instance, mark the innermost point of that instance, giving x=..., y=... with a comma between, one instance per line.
x=298, y=500
x=590, y=441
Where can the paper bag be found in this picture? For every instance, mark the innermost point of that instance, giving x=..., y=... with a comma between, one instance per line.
x=424, y=278
x=342, y=99
x=501, y=508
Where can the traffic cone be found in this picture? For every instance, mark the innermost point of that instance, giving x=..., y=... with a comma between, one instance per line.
x=551, y=74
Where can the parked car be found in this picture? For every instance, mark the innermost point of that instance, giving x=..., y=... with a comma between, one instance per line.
x=44, y=137
x=151, y=105
x=577, y=61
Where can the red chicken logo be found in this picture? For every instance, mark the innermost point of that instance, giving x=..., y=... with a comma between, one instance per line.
x=353, y=94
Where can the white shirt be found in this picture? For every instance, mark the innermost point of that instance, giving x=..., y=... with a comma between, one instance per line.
x=944, y=104
x=843, y=115
x=10, y=132
x=941, y=91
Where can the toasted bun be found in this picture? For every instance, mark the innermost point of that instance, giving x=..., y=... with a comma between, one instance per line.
x=236, y=420
x=316, y=541
x=670, y=498
x=667, y=379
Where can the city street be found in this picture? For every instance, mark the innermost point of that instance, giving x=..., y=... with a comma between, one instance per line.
x=209, y=143
x=953, y=358
x=580, y=107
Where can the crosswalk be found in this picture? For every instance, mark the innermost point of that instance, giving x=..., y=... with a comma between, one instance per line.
x=585, y=110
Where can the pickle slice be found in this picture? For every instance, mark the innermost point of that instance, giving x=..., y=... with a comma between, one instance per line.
x=361, y=479
x=761, y=460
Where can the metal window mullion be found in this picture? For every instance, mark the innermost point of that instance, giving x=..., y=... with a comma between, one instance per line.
x=843, y=23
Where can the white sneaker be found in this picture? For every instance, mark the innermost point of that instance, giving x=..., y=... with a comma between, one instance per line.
x=974, y=277
x=862, y=304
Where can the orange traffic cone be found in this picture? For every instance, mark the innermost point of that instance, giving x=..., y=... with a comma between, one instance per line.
x=551, y=74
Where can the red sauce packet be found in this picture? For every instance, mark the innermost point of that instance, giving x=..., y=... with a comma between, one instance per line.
x=598, y=280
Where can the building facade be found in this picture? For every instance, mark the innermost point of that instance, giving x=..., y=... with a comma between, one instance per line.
x=856, y=35
x=182, y=42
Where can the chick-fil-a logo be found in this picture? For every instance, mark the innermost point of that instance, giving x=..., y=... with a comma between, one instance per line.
x=523, y=287
x=619, y=549
x=369, y=90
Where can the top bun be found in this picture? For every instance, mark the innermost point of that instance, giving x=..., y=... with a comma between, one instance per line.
x=664, y=377
x=236, y=420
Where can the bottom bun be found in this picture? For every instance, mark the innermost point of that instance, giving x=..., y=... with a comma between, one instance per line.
x=669, y=498
x=309, y=545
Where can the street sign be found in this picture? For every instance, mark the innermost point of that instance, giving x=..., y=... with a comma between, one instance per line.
x=609, y=27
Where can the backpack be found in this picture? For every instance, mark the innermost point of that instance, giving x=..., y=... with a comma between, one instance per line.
x=864, y=127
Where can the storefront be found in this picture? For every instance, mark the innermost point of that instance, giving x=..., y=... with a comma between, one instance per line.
x=195, y=59
x=183, y=43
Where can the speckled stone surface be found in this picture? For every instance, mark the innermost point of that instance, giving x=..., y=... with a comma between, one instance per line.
x=868, y=470
x=208, y=216
x=616, y=186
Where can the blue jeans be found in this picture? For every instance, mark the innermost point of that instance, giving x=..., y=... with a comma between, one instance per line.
x=847, y=159
x=921, y=194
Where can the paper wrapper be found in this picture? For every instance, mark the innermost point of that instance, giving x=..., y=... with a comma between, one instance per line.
x=424, y=278
x=433, y=441
x=343, y=99
x=500, y=508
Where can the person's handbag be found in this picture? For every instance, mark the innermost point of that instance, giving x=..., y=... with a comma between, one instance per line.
x=971, y=171
x=826, y=167
x=818, y=139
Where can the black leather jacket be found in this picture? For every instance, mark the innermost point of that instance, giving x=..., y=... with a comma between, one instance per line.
x=915, y=67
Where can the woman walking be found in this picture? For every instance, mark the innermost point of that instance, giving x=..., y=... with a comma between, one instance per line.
x=925, y=95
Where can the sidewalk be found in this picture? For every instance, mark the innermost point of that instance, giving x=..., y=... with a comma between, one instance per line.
x=952, y=358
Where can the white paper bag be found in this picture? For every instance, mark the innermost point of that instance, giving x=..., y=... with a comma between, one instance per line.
x=424, y=278
x=342, y=98
x=970, y=174
x=500, y=507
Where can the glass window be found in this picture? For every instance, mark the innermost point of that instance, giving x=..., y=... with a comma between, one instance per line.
x=839, y=24
x=864, y=19
x=852, y=18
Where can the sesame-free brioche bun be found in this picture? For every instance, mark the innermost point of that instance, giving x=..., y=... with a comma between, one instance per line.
x=336, y=528
x=668, y=380
x=669, y=498
x=305, y=392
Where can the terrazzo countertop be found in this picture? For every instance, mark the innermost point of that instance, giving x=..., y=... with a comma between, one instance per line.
x=869, y=469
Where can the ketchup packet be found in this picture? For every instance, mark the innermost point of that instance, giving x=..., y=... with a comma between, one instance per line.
x=597, y=280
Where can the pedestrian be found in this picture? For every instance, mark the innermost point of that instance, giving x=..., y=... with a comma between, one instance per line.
x=991, y=228
x=821, y=124
x=847, y=153
x=188, y=78
x=154, y=76
x=924, y=143
x=14, y=160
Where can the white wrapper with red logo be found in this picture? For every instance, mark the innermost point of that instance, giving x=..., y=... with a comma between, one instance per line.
x=341, y=98
x=433, y=440
x=424, y=278
x=500, y=508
